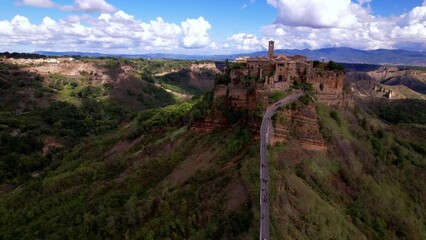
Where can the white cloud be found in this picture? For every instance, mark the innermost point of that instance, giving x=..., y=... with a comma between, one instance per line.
x=195, y=33
x=417, y=15
x=6, y=28
x=117, y=32
x=246, y=42
x=364, y=2
x=317, y=13
x=92, y=6
x=299, y=24
x=38, y=3
x=336, y=23
x=22, y=25
x=288, y=37
x=78, y=6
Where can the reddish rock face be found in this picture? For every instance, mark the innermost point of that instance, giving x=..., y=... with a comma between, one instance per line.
x=209, y=123
x=243, y=97
x=299, y=125
x=277, y=73
x=329, y=88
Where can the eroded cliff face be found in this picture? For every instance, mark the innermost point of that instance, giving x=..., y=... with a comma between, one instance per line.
x=299, y=125
x=209, y=123
x=387, y=72
x=365, y=89
x=233, y=97
x=414, y=79
x=72, y=68
x=329, y=89
x=204, y=66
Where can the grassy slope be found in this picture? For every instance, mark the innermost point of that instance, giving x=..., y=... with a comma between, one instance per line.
x=368, y=185
x=131, y=193
x=109, y=182
x=33, y=107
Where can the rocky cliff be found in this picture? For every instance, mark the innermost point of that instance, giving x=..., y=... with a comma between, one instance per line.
x=366, y=88
x=299, y=125
x=235, y=98
x=415, y=79
x=205, y=66
x=71, y=68
x=329, y=86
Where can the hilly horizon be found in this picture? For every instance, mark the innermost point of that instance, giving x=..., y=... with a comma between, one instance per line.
x=339, y=54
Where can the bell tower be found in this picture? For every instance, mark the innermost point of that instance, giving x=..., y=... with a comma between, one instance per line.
x=271, y=49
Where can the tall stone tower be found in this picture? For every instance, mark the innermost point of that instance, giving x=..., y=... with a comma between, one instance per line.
x=271, y=49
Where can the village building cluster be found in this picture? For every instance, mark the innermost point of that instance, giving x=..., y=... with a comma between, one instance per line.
x=276, y=68
x=278, y=72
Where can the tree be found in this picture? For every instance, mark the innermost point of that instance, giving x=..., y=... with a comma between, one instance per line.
x=316, y=63
x=333, y=66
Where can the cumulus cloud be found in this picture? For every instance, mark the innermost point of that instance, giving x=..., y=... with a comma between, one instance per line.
x=78, y=6
x=318, y=13
x=336, y=23
x=364, y=2
x=195, y=33
x=246, y=42
x=299, y=24
x=90, y=6
x=38, y=3
x=117, y=32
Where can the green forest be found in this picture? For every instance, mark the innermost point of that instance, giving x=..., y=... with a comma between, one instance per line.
x=87, y=160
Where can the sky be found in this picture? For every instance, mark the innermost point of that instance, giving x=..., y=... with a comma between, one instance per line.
x=209, y=26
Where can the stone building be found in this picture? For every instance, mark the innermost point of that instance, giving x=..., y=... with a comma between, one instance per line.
x=277, y=68
x=279, y=71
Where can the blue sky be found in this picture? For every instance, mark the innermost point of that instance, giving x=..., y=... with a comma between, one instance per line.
x=209, y=26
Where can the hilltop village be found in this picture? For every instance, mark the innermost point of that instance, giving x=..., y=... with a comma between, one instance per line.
x=275, y=69
x=277, y=72
x=248, y=84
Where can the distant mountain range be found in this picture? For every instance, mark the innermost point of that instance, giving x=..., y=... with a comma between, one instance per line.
x=343, y=55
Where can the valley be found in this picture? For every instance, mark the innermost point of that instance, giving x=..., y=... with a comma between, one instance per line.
x=221, y=120
x=109, y=148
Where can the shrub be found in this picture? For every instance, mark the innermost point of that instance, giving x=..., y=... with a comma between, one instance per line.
x=335, y=116
x=276, y=96
x=333, y=66
x=222, y=79
x=237, y=66
x=316, y=63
